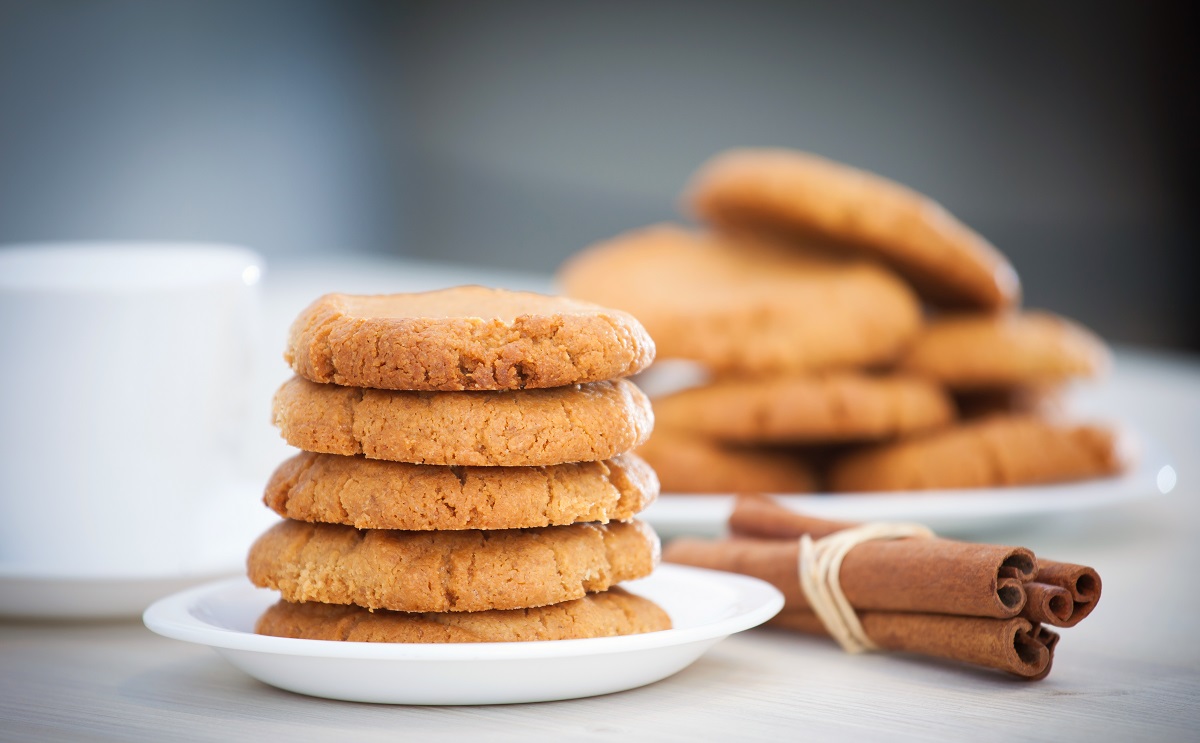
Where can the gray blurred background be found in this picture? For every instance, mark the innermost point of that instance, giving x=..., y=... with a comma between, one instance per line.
x=514, y=133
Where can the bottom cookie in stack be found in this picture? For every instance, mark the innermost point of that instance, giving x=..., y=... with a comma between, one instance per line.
x=613, y=612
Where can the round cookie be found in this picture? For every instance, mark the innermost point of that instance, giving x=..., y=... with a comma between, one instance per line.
x=374, y=494
x=1027, y=349
x=465, y=338
x=691, y=464
x=743, y=305
x=991, y=452
x=581, y=423
x=832, y=408
x=791, y=192
x=613, y=612
x=469, y=570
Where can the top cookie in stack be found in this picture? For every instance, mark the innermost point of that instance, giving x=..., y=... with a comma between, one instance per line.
x=807, y=300
x=465, y=451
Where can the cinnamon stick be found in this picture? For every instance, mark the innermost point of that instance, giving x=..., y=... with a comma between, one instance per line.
x=1015, y=645
x=982, y=604
x=762, y=516
x=938, y=576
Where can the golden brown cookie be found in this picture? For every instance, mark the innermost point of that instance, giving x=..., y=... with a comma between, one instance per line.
x=785, y=191
x=469, y=570
x=831, y=408
x=743, y=305
x=970, y=352
x=613, y=612
x=580, y=423
x=374, y=494
x=465, y=338
x=692, y=464
x=991, y=452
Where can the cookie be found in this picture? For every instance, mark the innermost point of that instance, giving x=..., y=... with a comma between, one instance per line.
x=374, y=494
x=469, y=570
x=743, y=305
x=836, y=407
x=465, y=338
x=580, y=423
x=796, y=193
x=692, y=464
x=1027, y=349
x=613, y=612
x=991, y=452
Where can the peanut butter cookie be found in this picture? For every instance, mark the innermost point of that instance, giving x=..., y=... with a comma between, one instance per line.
x=796, y=193
x=580, y=423
x=613, y=612
x=831, y=408
x=1027, y=349
x=465, y=338
x=374, y=494
x=469, y=570
x=746, y=305
x=991, y=452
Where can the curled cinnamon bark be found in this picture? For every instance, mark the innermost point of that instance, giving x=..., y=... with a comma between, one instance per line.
x=1046, y=603
x=1083, y=583
x=1015, y=645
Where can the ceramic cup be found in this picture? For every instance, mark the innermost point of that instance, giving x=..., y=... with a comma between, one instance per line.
x=123, y=402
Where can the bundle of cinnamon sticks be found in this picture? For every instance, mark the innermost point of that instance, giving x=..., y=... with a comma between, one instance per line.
x=982, y=604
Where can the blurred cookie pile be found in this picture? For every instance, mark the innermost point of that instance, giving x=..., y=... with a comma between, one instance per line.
x=854, y=337
x=465, y=473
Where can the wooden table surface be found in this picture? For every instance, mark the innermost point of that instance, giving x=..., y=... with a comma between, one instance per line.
x=1131, y=671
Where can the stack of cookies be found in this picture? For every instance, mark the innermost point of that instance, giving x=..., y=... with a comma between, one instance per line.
x=466, y=473
x=854, y=337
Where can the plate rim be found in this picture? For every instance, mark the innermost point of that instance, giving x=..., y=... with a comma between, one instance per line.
x=171, y=617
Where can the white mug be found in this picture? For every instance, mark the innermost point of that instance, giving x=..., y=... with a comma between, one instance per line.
x=123, y=402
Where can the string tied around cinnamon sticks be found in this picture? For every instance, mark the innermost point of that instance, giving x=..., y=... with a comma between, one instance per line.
x=820, y=566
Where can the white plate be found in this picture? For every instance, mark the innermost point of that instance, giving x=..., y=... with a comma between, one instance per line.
x=705, y=607
x=967, y=511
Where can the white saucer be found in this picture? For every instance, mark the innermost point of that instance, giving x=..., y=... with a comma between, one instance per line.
x=705, y=607
x=94, y=591
x=25, y=597
x=949, y=512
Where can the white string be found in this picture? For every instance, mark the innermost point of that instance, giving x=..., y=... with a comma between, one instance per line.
x=820, y=568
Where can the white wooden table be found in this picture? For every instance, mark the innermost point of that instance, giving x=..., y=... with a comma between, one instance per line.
x=1130, y=672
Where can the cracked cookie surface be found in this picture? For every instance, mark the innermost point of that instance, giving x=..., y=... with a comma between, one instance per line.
x=441, y=571
x=580, y=423
x=375, y=494
x=464, y=338
x=613, y=612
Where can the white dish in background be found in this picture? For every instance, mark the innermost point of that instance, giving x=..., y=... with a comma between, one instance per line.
x=705, y=606
x=218, y=542
x=951, y=512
